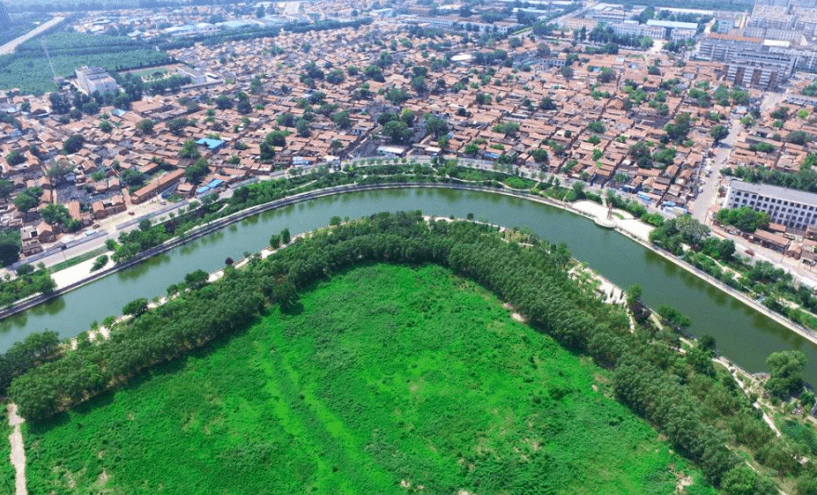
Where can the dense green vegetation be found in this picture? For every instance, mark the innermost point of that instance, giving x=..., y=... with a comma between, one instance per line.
x=698, y=406
x=7, y=472
x=28, y=281
x=385, y=374
x=28, y=68
x=744, y=218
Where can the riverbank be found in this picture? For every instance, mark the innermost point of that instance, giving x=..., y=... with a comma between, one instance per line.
x=581, y=210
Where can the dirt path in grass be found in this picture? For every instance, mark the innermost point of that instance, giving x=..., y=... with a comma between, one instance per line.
x=18, y=451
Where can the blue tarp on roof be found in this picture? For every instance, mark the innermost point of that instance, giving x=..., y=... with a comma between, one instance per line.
x=212, y=144
x=202, y=189
x=215, y=183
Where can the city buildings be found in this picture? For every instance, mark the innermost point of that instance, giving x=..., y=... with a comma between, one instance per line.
x=792, y=208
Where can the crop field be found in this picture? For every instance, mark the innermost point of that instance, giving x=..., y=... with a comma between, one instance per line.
x=386, y=379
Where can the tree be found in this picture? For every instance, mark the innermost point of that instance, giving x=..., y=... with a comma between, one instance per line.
x=190, y=150
x=633, y=294
x=285, y=293
x=105, y=126
x=15, y=158
x=335, y=77
x=341, y=119
x=275, y=139
x=244, y=106
x=73, y=144
x=743, y=480
x=6, y=188
x=136, y=308
x=785, y=373
x=607, y=75
x=196, y=280
x=539, y=155
x=224, y=102
x=435, y=125
x=374, y=72
x=132, y=177
x=196, y=172
x=55, y=214
x=397, y=132
x=719, y=133
x=397, y=95
x=418, y=84
x=567, y=72
x=256, y=85
x=59, y=105
x=547, y=104
x=10, y=246
x=673, y=316
x=145, y=126
x=25, y=202
x=260, y=12
x=302, y=127
x=797, y=137
x=543, y=50
x=285, y=236
x=177, y=125
x=744, y=218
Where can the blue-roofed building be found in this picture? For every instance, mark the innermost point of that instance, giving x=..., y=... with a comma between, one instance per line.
x=210, y=144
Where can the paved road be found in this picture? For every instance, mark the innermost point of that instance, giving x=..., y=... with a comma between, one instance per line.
x=13, y=44
x=709, y=193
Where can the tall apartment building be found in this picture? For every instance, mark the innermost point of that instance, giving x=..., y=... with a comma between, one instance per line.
x=759, y=69
x=722, y=47
x=93, y=79
x=792, y=208
x=750, y=61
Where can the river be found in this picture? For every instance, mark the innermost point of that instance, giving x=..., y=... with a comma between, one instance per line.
x=743, y=335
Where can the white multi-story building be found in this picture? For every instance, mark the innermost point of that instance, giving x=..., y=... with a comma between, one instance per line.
x=93, y=79
x=607, y=13
x=792, y=208
x=633, y=28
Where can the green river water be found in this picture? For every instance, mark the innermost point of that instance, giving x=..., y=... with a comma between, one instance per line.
x=743, y=334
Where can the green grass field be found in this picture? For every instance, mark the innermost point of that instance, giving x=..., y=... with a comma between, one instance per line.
x=387, y=378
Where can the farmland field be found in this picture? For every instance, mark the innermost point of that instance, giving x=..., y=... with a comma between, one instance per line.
x=383, y=379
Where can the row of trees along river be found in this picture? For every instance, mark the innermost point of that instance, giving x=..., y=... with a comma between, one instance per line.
x=743, y=335
x=699, y=408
